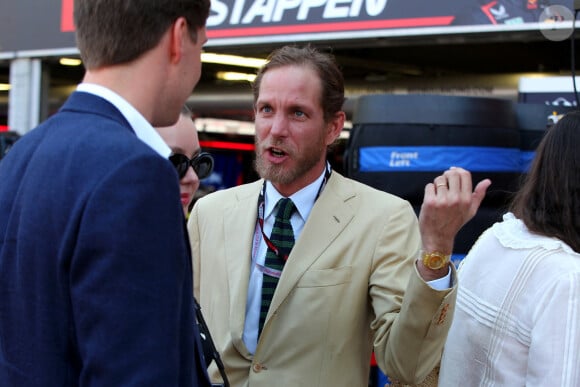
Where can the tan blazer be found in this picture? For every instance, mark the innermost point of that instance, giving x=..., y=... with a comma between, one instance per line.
x=340, y=295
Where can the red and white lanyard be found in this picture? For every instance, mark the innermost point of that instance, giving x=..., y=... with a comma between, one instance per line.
x=261, y=234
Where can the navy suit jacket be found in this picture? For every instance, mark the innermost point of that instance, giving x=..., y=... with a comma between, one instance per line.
x=95, y=269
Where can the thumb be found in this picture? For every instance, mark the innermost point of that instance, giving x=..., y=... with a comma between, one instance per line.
x=479, y=194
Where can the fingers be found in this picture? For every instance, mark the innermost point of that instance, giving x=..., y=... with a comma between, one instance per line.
x=440, y=183
x=453, y=182
x=459, y=180
x=456, y=184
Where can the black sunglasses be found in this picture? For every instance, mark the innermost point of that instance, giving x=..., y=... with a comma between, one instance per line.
x=202, y=164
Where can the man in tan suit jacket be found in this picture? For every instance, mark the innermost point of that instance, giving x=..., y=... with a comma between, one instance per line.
x=353, y=282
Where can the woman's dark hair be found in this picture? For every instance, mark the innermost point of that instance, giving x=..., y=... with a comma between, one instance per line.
x=331, y=78
x=549, y=199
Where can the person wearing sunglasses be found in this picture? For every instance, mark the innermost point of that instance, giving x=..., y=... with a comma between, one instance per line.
x=183, y=140
x=191, y=163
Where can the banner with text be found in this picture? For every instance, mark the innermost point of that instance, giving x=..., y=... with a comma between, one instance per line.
x=32, y=25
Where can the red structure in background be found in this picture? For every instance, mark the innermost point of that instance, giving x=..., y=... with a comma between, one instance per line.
x=3, y=128
x=227, y=145
x=66, y=16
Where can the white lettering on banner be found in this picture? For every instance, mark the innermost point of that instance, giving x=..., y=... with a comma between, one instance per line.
x=268, y=11
x=218, y=14
x=237, y=12
x=263, y=8
x=305, y=7
x=283, y=5
x=333, y=10
x=356, y=7
x=402, y=159
x=375, y=7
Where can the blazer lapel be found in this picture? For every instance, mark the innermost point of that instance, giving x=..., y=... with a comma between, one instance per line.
x=239, y=225
x=329, y=216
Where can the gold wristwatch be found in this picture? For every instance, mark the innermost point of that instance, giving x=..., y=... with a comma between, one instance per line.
x=435, y=260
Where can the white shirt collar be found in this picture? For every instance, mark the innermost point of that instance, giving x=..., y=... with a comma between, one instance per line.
x=143, y=129
x=303, y=199
x=513, y=233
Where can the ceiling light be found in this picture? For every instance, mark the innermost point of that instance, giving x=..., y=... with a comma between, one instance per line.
x=4, y=86
x=233, y=76
x=70, y=62
x=232, y=60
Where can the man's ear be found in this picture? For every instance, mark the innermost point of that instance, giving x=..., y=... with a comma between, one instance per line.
x=178, y=32
x=334, y=127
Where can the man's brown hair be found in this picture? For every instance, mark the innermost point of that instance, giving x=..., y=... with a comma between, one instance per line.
x=111, y=32
x=331, y=78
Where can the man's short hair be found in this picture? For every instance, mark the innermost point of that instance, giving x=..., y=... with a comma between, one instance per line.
x=325, y=66
x=111, y=32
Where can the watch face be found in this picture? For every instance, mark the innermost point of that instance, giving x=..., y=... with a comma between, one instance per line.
x=435, y=260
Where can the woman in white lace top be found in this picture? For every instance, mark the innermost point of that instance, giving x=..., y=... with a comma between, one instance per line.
x=517, y=320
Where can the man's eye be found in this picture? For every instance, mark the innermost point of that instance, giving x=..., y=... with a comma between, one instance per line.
x=299, y=113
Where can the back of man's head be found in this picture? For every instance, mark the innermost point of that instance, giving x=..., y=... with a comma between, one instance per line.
x=111, y=32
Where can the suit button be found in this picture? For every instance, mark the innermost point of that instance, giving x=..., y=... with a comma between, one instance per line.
x=257, y=367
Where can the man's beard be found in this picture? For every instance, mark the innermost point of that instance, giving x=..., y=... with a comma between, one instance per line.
x=280, y=174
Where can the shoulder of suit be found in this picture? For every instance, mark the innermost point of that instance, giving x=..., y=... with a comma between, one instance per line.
x=240, y=192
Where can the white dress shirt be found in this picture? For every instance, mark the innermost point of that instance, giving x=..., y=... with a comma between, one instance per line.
x=142, y=128
x=517, y=319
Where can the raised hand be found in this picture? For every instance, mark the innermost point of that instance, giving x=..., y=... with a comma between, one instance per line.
x=448, y=204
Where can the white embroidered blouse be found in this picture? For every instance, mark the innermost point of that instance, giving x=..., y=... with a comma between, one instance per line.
x=517, y=320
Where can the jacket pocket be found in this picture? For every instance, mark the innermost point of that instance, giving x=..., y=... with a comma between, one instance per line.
x=325, y=277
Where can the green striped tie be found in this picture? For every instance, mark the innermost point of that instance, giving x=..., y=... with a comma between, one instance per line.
x=283, y=238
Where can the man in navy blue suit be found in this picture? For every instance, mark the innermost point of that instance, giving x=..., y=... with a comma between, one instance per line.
x=95, y=269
